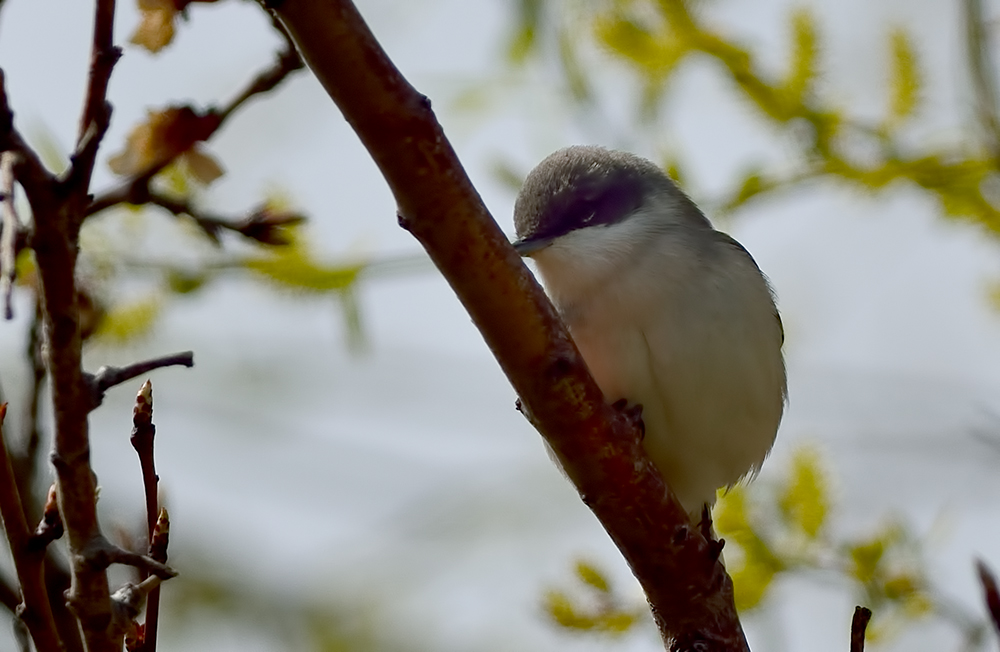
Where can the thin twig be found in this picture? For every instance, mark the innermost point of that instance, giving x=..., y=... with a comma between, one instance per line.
x=107, y=377
x=991, y=593
x=101, y=553
x=858, y=626
x=8, y=239
x=288, y=62
x=50, y=527
x=143, y=434
x=96, y=115
x=35, y=612
x=136, y=189
x=26, y=460
x=261, y=225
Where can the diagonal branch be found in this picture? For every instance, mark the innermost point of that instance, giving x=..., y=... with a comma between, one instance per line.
x=600, y=449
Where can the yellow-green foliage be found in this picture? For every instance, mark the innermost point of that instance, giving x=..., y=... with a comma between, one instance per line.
x=126, y=321
x=294, y=267
x=652, y=38
x=803, y=501
x=595, y=609
x=785, y=528
x=905, y=80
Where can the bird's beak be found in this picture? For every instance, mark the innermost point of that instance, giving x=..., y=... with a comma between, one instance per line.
x=528, y=247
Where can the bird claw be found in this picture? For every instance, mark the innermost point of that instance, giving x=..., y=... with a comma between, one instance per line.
x=633, y=414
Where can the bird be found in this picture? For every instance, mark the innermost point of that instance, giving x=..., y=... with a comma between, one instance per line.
x=668, y=313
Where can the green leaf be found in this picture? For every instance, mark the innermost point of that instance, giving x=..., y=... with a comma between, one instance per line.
x=866, y=558
x=804, y=55
x=905, y=77
x=804, y=501
x=293, y=266
x=524, y=41
x=127, y=321
x=591, y=576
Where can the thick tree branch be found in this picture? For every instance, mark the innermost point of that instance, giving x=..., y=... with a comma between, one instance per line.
x=688, y=589
x=28, y=560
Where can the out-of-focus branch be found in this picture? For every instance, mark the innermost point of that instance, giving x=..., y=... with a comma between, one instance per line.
x=136, y=189
x=96, y=115
x=288, y=62
x=28, y=561
x=28, y=168
x=108, y=377
x=980, y=59
x=600, y=449
x=26, y=460
x=262, y=224
x=8, y=238
x=859, y=624
x=991, y=593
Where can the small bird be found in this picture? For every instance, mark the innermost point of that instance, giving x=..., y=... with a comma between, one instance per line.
x=668, y=313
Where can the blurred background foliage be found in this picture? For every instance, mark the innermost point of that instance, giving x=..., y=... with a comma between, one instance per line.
x=137, y=260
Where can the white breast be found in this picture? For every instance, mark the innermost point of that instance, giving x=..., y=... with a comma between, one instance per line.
x=682, y=322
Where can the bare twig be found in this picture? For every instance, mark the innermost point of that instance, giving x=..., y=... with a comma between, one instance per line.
x=143, y=434
x=108, y=377
x=991, y=593
x=101, y=553
x=288, y=62
x=50, y=527
x=600, y=449
x=262, y=224
x=35, y=611
x=96, y=109
x=858, y=626
x=127, y=603
x=136, y=189
x=26, y=460
x=8, y=238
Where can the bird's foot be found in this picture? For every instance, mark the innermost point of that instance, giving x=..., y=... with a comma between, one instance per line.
x=633, y=414
x=715, y=544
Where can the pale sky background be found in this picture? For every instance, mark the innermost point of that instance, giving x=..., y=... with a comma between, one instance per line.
x=401, y=482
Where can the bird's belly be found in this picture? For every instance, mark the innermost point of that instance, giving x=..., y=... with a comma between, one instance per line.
x=710, y=409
